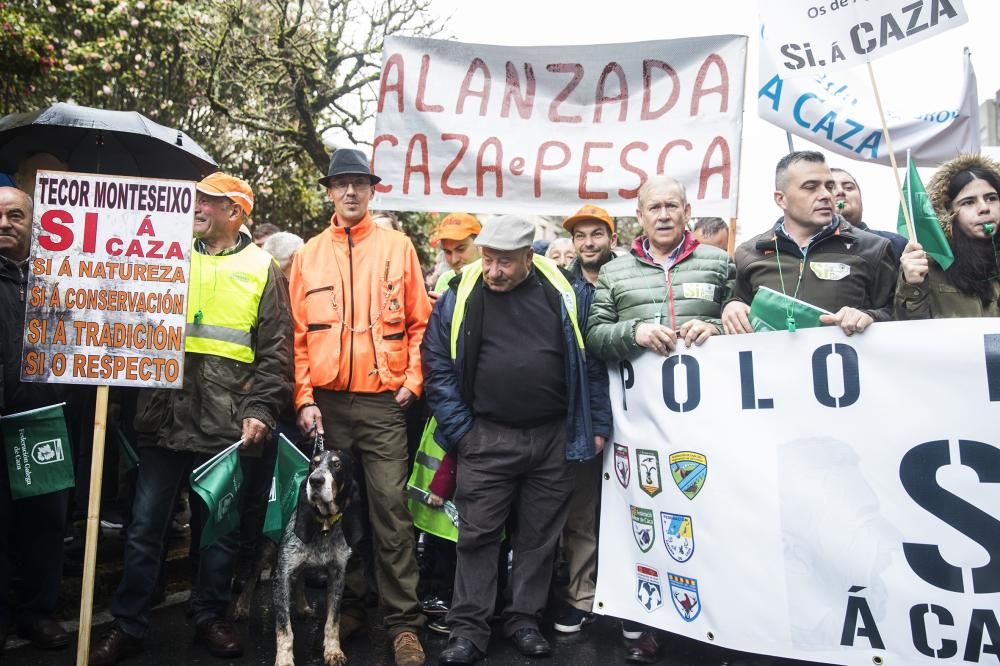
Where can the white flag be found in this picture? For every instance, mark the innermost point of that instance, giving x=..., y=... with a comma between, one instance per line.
x=808, y=37
x=837, y=112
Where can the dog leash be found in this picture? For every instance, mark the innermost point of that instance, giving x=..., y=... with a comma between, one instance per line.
x=319, y=444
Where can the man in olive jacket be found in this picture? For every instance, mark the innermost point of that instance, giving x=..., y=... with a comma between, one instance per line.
x=668, y=286
x=237, y=377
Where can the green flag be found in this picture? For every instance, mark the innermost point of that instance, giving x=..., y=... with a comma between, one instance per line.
x=290, y=468
x=925, y=221
x=39, y=460
x=773, y=311
x=219, y=482
x=129, y=457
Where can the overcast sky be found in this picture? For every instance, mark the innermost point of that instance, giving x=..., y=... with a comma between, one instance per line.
x=555, y=22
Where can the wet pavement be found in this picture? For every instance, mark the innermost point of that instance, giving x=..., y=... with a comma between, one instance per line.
x=170, y=643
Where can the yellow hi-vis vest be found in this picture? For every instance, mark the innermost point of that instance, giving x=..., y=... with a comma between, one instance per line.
x=438, y=521
x=223, y=299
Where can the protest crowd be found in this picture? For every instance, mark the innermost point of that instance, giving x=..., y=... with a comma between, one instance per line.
x=348, y=341
x=427, y=443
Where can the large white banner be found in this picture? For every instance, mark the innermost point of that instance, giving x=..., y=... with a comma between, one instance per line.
x=544, y=130
x=806, y=36
x=810, y=495
x=108, y=280
x=837, y=111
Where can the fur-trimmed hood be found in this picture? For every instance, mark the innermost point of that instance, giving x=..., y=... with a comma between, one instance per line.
x=937, y=188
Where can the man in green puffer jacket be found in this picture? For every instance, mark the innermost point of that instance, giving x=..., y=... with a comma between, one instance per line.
x=668, y=286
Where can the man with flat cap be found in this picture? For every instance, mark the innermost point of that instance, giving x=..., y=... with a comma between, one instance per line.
x=237, y=377
x=506, y=377
x=360, y=308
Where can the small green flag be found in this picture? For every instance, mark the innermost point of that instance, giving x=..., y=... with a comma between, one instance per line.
x=773, y=311
x=218, y=482
x=39, y=459
x=290, y=468
x=925, y=220
x=129, y=457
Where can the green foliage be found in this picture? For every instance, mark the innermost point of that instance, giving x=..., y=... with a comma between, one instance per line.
x=262, y=85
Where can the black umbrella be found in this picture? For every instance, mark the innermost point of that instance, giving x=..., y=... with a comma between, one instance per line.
x=120, y=143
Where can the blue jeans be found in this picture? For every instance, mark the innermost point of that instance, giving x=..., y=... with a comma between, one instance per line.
x=161, y=473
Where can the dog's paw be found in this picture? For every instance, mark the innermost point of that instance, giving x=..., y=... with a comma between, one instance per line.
x=334, y=657
x=284, y=660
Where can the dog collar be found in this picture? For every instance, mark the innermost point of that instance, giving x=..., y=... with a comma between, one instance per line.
x=327, y=522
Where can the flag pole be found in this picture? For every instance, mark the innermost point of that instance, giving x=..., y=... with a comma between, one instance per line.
x=909, y=197
x=892, y=154
x=731, y=243
x=93, y=524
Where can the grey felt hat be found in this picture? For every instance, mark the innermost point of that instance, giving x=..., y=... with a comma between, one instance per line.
x=348, y=162
x=506, y=232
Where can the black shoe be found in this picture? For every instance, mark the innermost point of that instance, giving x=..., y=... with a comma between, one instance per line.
x=572, y=621
x=439, y=626
x=530, y=642
x=221, y=637
x=460, y=651
x=434, y=606
x=114, y=646
x=44, y=633
x=646, y=650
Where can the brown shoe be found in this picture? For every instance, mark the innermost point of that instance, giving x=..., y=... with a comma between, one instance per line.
x=407, y=651
x=221, y=637
x=113, y=646
x=646, y=650
x=350, y=625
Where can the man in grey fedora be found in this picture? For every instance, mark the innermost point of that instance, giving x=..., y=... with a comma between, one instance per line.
x=360, y=308
x=508, y=384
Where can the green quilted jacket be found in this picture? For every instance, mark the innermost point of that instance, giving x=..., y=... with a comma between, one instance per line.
x=632, y=289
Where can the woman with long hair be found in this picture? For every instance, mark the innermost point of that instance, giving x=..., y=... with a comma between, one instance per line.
x=965, y=193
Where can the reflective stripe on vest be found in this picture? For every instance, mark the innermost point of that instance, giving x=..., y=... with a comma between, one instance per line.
x=226, y=291
x=548, y=269
x=427, y=518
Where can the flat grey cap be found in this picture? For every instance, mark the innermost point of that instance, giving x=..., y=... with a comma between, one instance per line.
x=506, y=232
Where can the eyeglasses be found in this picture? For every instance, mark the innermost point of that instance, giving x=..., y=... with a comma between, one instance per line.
x=359, y=184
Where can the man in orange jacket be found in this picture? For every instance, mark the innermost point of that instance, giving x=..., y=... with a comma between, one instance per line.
x=360, y=309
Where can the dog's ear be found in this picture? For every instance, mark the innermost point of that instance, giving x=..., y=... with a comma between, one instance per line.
x=347, y=495
x=305, y=516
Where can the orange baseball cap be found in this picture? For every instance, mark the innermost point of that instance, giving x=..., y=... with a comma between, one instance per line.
x=456, y=226
x=221, y=185
x=589, y=212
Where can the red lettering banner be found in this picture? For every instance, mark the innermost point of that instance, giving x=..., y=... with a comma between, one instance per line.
x=543, y=130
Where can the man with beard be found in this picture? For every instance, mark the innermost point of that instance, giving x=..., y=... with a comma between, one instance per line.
x=966, y=196
x=594, y=238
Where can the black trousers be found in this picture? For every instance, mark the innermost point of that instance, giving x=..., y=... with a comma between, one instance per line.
x=502, y=469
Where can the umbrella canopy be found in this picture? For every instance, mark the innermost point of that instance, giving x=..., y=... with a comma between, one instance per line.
x=120, y=143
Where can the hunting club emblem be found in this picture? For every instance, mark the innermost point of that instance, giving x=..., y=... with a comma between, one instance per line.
x=648, y=463
x=684, y=594
x=647, y=588
x=642, y=528
x=689, y=470
x=678, y=535
x=623, y=469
